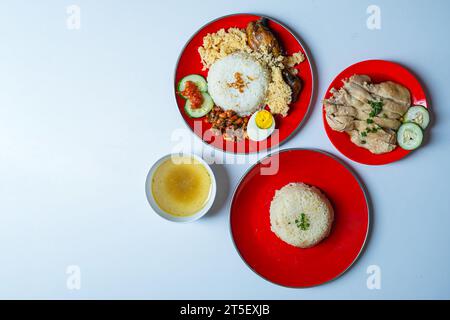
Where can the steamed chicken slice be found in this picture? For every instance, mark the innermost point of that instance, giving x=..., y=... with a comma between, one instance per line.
x=358, y=92
x=339, y=117
x=391, y=107
x=340, y=123
x=364, y=109
x=339, y=114
x=378, y=142
x=353, y=95
x=340, y=110
x=386, y=135
x=392, y=91
x=396, y=98
x=360, y=79
x=387, y=123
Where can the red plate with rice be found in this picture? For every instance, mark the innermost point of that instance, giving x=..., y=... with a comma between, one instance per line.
x=274, y=259
x=190, y=63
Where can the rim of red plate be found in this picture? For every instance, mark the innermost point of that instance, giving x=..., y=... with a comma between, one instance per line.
x=369, y=158
x=305, y=51
x=361, y=185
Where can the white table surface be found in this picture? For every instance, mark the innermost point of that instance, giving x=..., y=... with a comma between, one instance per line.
x=84, y=113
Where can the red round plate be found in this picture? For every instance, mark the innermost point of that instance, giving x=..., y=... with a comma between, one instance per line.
x=189, y=63
x=379, y=71
x=278, y=261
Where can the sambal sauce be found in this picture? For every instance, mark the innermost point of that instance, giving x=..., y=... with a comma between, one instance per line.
x=192, y=93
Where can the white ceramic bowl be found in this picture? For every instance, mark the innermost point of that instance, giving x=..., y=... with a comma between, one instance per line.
x=165, y=215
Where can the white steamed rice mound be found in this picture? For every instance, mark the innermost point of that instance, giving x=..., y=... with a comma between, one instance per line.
x=287, y=206
x=256, y=77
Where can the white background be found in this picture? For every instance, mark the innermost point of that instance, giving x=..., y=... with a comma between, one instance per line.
x=84, y=114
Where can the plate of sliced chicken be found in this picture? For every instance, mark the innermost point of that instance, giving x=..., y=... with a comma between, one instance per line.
x=375, y=112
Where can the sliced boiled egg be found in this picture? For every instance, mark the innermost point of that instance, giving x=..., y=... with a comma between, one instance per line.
x=260, y=125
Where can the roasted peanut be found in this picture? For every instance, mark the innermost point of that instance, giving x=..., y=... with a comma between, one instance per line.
x=227, y=123
x=229, y=113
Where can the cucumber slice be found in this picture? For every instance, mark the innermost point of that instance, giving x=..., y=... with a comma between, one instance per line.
x=199, y=81
x=206, y=107
x=419, y=115
x=409, y=136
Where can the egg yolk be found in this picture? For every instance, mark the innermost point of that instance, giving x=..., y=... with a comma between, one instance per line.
x=264, y=119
